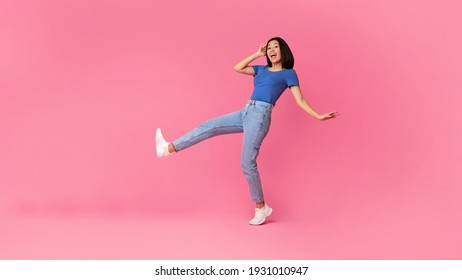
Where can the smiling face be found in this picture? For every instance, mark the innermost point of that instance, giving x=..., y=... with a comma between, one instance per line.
x=278, y=54
x=273, y=52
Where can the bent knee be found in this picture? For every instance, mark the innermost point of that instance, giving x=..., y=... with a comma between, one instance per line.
x=249, y=166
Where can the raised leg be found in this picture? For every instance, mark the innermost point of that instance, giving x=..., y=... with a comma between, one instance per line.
x=230, y=123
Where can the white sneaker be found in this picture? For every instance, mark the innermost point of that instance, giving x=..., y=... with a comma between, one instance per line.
x=260, y=215
x=161, y=145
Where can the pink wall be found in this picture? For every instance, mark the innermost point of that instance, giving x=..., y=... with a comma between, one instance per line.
x=84, y=85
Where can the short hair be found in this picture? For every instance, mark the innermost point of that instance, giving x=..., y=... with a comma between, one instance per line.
x=287, y=57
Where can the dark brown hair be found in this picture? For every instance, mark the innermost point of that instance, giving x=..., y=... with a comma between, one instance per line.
x=287, y=57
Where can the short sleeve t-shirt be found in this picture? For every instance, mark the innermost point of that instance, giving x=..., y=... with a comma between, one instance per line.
x=269, y=85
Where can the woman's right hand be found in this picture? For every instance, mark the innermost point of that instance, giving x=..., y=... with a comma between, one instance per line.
x=262, y=50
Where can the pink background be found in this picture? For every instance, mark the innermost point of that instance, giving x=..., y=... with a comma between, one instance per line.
x=84, y=85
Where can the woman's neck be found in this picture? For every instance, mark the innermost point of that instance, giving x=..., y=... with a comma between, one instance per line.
x=276, y=66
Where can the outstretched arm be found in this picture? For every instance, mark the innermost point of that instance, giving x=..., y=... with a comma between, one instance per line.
x=243, y=66
x=297, y=93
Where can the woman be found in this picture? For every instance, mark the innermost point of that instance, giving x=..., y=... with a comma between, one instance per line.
x=254, y=120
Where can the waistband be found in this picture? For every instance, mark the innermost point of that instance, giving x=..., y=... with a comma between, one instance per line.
x=260, y=103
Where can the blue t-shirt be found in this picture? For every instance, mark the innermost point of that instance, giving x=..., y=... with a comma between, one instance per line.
x=268, y=85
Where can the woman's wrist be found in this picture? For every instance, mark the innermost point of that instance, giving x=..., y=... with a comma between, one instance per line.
x=258, y=54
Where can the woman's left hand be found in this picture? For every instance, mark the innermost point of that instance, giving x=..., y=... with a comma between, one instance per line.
x=328, y=116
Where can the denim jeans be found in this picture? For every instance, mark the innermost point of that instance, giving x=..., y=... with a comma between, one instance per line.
x=254, y=121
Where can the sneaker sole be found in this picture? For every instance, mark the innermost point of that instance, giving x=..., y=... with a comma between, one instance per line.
x=158, y=141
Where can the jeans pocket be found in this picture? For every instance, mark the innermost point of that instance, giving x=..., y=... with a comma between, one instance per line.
x=262, y=109
x=263, y=115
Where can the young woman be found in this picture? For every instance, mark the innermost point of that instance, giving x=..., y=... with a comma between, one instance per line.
x=254, y=119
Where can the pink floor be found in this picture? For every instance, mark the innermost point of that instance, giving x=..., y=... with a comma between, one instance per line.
x=223, y=234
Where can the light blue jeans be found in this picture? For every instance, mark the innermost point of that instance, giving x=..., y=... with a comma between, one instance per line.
x=254, y=121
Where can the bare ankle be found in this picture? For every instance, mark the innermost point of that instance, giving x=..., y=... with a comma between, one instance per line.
x=260, y=204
